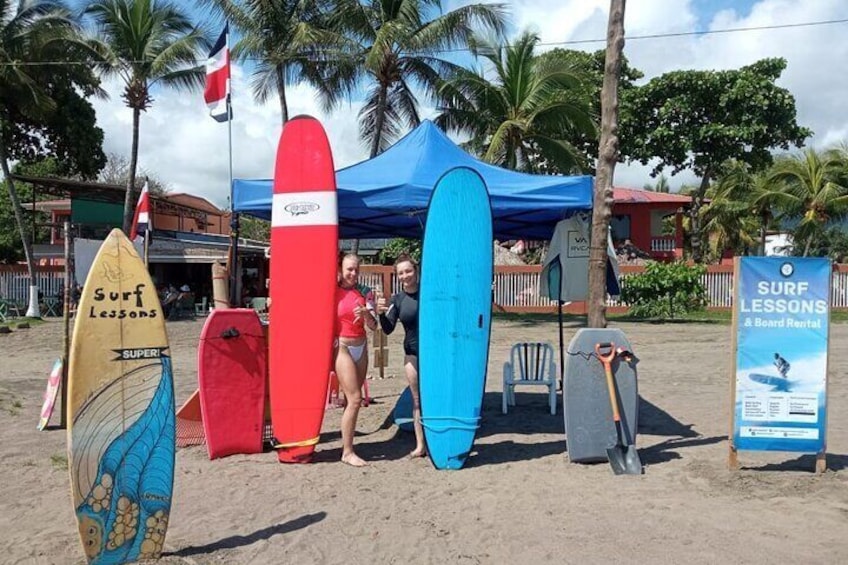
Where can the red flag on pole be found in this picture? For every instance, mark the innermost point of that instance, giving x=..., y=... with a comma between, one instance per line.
x=142, y=223
x=217, y=92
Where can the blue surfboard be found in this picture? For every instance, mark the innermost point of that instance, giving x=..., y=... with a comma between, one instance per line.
x=455, y=314
x=403, y=411
x=777, y=384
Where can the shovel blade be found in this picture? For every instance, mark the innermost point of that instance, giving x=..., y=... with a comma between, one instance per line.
x=624, y=460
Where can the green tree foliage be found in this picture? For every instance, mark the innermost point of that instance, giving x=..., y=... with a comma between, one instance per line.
x=814, y=190
x=699, y=119
x=287, y=42
x=395, y=46
x=254, y=228
x=42, y=110
x=589, y=67
x=400, y=246
x=829, y=242
x=665, y=290
x=147, y=44
x=527, y=116
x=660, y=186
x=11, y=246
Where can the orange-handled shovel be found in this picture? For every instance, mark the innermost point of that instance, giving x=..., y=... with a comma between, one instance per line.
x=624, y=459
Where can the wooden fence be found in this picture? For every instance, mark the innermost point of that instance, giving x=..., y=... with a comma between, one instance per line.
x=516, y=288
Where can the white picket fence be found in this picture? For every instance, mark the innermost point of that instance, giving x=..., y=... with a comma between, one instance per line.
x=514, y=288
x=14, y=286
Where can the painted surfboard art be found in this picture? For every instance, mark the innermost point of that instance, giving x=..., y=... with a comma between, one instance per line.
x=121, y=437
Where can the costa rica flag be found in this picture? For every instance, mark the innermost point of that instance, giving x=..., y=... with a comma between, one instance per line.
x=217, y=92
x=142, y=223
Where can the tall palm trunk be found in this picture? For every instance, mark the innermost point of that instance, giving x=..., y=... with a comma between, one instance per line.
x=695, y=238
x=128, y=199
x=607, y=157
x=378, y=136
x=764, y=221
x=281, y=91
x=33, y=310
x=380, y=119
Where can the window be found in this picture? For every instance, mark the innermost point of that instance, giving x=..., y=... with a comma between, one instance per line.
x=620, y=226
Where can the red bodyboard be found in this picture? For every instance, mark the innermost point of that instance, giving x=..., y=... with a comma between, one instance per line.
x=304, y=250
x=231, y=365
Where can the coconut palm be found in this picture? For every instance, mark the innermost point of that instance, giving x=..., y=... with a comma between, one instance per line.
x=727, y=217
x=31, y=32
x=288, y=43
x=741, y=197
x=396, y=46
x=524, y=115
x=661, y=185
x=814, y=190
x=147, y=43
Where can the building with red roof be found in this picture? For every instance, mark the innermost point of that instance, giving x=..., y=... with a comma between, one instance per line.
x=650, y=221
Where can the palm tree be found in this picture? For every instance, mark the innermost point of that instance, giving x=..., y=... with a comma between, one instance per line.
x=607, y=157
x=396, y=47
x=34, y=31
x=742, y=196
x=727, y=217
x=814, y=190
x=661, y=185
x=288, y=42
x=522, y=118
x=147, y=43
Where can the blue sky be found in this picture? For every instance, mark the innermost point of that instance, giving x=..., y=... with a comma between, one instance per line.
x=188, y=150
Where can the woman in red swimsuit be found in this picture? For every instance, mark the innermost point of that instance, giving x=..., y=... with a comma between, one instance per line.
x=354, y=312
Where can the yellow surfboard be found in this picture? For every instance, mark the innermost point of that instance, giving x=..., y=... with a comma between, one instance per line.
x=121, y=436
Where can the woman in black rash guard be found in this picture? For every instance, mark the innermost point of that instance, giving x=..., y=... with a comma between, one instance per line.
x=404, y=307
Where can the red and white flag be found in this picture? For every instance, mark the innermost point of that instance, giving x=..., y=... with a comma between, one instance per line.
x=142, y=223
x=217, y=92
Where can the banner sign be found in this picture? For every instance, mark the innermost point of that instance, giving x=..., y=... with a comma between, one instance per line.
x=783, y=322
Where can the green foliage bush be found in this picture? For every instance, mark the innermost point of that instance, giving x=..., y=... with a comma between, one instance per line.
x=665, y=290
x=400, y=246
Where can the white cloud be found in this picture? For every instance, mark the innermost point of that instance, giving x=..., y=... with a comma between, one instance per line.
x=188, y=150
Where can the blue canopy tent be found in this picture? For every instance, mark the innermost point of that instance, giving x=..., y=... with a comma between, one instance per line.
x=387, y=196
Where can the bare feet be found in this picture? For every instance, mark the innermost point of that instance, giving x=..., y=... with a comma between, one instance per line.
x=420, y=452
x=354, y=460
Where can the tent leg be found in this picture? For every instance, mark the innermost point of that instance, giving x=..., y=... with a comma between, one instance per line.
x=561, y=348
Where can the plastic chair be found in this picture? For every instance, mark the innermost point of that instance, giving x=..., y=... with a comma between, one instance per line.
x=201, y=308
x=530, y=363
x=260, y=304
x=8, y=309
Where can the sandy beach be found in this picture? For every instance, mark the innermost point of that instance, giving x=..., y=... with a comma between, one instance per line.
x=519, y=499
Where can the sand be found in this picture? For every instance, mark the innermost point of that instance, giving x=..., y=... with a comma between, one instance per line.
x=519, y=499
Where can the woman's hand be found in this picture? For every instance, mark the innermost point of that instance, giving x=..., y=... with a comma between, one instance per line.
x=382, y=306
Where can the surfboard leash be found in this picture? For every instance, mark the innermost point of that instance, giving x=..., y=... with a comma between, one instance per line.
x=304, y=443
x=468, y=424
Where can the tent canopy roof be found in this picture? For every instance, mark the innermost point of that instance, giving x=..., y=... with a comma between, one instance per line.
x=387, y=196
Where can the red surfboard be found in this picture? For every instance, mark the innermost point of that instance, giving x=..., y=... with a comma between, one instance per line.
x=231, y=365
x=304, y=250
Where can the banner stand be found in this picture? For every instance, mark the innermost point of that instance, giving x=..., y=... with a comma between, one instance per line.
x=780, y=343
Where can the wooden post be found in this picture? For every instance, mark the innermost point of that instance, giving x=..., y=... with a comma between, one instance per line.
x=732, y=454
x=821, y=457
x=66, y=319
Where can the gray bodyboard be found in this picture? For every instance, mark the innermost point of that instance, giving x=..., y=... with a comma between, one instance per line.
x=589, y=426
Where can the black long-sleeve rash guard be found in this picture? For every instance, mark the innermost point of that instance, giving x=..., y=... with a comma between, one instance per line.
x=403, y=307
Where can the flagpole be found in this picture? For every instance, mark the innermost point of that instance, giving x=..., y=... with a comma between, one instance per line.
x=147, y=248
x=234, y=221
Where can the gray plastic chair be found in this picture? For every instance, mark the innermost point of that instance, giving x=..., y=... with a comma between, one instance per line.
x=530, y=363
